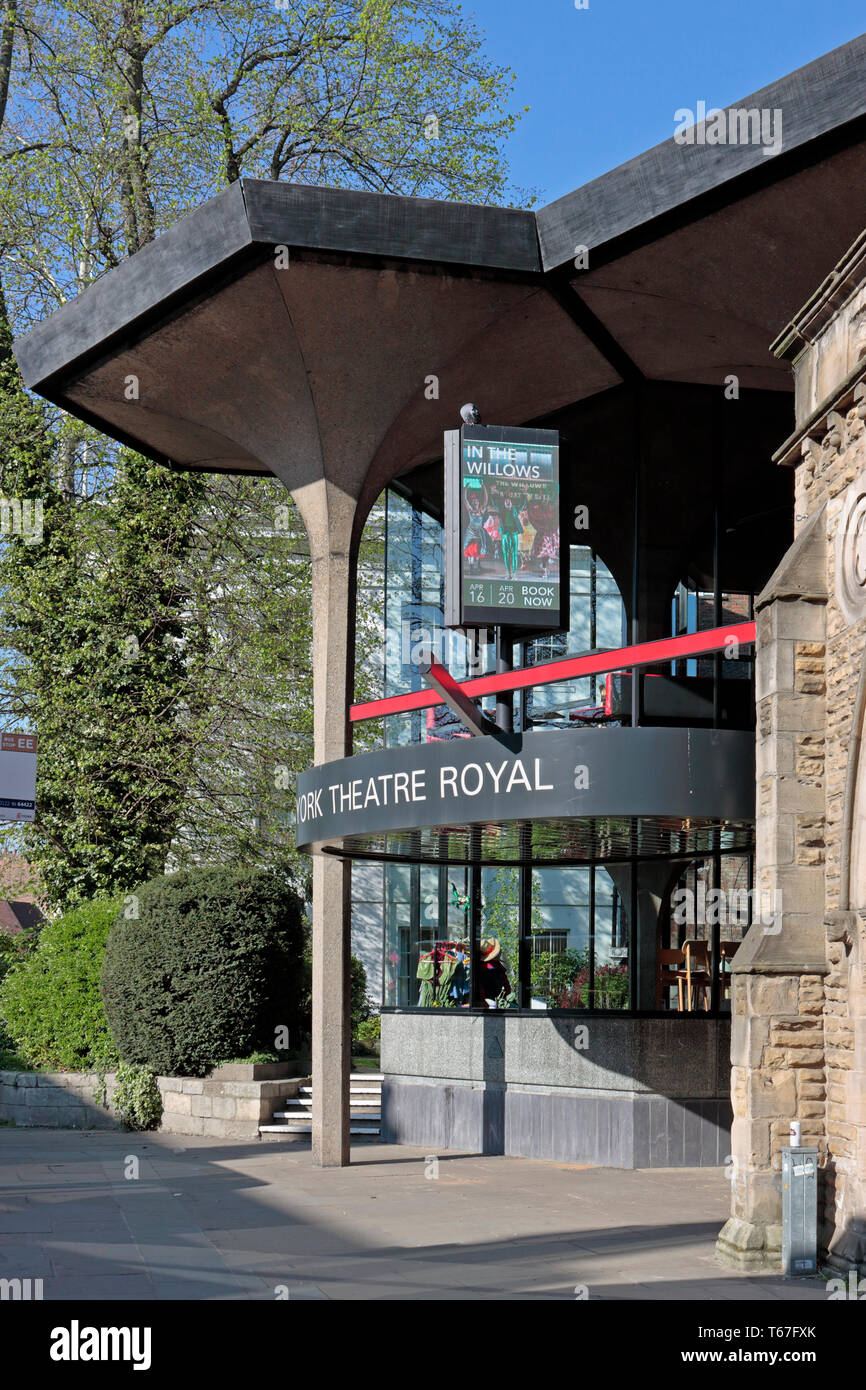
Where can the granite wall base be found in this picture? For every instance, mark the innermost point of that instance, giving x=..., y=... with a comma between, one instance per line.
x=617, y=1092
x=613, y=1131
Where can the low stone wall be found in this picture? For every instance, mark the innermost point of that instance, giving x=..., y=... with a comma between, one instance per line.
x=57, y=1100
x=230, y=1103
x=224, y=1105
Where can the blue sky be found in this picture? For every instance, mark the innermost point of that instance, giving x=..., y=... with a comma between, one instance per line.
x=603, y=83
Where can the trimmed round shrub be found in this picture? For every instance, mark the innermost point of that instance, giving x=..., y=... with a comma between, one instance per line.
x=50, y=999
x=208, y=968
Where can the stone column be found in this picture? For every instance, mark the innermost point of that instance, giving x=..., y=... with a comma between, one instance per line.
x=777, y=1041
x=328, y=516
x=799, y=1040
x=838, y=467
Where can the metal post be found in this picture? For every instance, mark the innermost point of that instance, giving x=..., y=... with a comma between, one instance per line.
x=633, y=938
x=637, y=455
x=524, y=948
x=590, y=985
x=716, y=929
x=718, y=465
x=799, y=1211
x=475, y=912
x=504, y=664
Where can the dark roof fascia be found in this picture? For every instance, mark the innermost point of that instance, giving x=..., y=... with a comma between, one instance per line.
x=241, y=226
x=659, y=191
x=381, y=224
x=163, y=272
x=821, y=98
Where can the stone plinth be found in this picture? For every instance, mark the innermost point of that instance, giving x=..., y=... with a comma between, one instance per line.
x=619, y=1092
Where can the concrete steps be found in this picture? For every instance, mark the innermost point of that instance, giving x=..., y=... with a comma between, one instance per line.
x=365, y=1101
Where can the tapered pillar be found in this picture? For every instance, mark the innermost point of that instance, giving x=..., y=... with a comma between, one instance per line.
x=328, y=515
x=331, y=1013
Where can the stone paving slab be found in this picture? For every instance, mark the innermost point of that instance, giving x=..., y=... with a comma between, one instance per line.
x=208, y=1219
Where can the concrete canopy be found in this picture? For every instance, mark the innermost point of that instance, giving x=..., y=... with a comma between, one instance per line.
x=698, y=255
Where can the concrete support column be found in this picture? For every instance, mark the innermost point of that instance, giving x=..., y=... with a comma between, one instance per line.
x=329, y=515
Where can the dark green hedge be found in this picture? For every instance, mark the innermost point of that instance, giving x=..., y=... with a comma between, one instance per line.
x=209, y=969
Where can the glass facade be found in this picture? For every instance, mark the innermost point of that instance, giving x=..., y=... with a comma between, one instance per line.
x=413, y=613
x=579, y=940
x=427, y=914
x=597, y=624
x=534, y=936
x=602, y=936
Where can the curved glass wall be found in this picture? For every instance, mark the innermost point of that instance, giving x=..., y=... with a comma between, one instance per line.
x=495, y=937
x=679, y=519
x=413, y=625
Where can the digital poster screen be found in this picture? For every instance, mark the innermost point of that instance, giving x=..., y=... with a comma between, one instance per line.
x=502, y=516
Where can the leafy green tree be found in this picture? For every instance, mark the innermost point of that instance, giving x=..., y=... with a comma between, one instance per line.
x=106, y=685
x=117, y=116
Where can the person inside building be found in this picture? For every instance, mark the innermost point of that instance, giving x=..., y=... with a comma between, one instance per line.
x=493, y=979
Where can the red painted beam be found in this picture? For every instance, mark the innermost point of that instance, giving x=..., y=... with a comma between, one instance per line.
x=451, y=694
x=570, y=668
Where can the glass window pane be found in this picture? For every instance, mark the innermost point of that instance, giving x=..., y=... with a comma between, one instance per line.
x=498, y=954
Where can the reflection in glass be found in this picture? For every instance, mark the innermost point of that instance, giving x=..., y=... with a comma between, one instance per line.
x=427, y=938
x=579, y=941
x=499, y=947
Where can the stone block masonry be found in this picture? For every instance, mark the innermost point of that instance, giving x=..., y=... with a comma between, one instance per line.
x=57, y=1100
x=799, y=999
x=230, y=1103
x=221, y=1105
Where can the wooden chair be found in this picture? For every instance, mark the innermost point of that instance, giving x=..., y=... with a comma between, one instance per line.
x=667, y=978
x=697, y=978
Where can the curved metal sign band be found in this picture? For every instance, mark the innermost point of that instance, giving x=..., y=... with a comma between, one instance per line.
x=474, y=781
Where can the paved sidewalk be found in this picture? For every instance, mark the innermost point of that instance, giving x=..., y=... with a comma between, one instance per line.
x=209, y=1220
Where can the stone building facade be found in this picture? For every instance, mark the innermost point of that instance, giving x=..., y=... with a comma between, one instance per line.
x=799, y=1005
